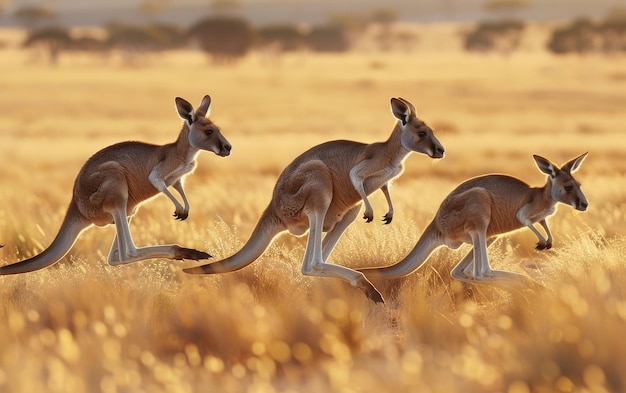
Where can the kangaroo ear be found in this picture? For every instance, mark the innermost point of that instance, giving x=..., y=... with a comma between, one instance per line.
x=185, y=110
x=402, y=110
x=573, y=165
x=205, y=107
x=546, y=166
x=409, y=105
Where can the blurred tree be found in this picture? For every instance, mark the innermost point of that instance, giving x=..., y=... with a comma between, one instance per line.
x=153, y=37
x=581, y=37
x=328, y=39
x=377, y=26
x=353, y=25
x=503, y=37
x=31, y=16
x=285, y=38
x=52, y=40
x=130, y=38
x=224, y=39
x=275, y=40
x=503, y=33
x=168, y=36
x=613, y=31
x=134, y=40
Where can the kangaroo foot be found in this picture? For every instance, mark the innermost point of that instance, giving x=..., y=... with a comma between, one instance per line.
x=371, y=292
x=190, y=253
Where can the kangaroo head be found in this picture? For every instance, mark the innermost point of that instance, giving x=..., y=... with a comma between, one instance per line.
x=416, y=135
x=565, y=188
x=203, y=134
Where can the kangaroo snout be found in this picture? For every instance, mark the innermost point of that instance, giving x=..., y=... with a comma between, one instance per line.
x=225, y=149
x=438, y=152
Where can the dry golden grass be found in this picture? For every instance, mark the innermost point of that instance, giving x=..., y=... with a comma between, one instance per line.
x=82, y=326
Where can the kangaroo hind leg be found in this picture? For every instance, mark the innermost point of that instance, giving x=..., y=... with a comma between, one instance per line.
x=125, y=251
x=332, y=237
x=113, y=195
x=314, y=265
x=464, y=270
x=482, y=271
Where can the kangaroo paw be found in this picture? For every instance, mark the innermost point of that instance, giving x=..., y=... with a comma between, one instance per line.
x=387, y=218
x=181, y=215
x=543, y=246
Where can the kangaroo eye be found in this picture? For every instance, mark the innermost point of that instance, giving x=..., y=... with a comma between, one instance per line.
x=568, y=188
x=208, y=132
x=421, y=134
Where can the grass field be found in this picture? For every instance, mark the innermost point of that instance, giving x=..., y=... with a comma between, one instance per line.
x=83, y=326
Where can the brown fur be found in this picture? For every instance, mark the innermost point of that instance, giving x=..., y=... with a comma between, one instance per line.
x=321, y=190
x=113, y=183
x=483, y=207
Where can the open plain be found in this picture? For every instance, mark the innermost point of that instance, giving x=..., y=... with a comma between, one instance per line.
x=83, y=326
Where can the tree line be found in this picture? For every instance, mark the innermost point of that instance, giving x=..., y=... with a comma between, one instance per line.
x=225, y=39
x=581, y=36
x=585, y=36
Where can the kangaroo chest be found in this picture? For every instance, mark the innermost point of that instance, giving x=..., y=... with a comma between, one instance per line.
x=379, y=178
x=179, y=172
x=540, y=214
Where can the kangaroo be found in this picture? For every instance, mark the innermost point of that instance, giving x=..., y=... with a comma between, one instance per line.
x=483, y=207
x=321, y=189
x=113, y=183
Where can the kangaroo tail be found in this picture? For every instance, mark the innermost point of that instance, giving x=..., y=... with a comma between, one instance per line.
x=73, y=224
x=427, y=243
x=264, y=233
